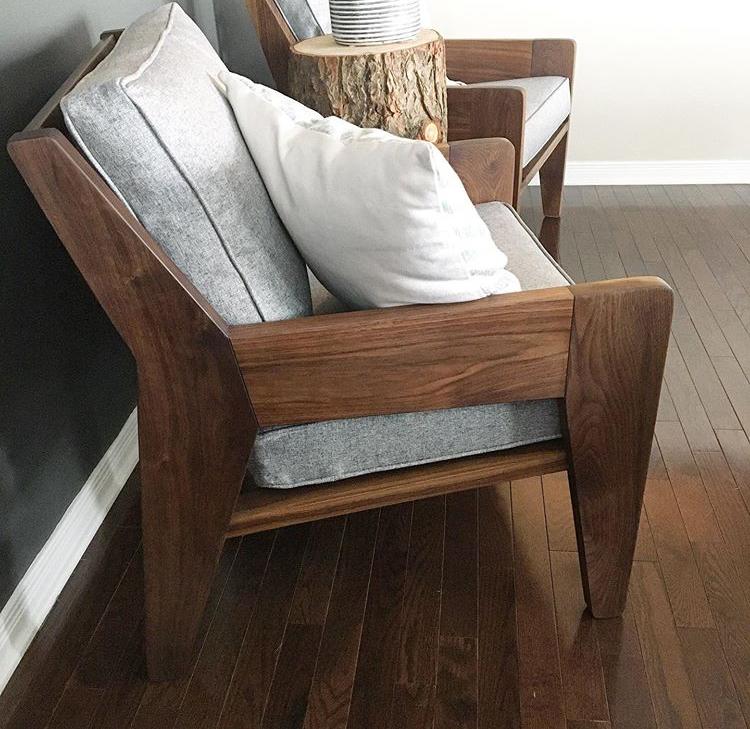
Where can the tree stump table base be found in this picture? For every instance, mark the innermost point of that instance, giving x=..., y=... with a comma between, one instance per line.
x=398, y=87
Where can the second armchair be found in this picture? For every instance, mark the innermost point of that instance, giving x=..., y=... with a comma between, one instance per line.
x=517, y=89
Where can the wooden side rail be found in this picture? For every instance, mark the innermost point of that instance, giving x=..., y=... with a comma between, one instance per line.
x=407, y=359
x=262, y=509
x=474, y=61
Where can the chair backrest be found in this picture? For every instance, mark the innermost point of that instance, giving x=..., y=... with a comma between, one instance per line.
x=282, y=23
x=150, y=118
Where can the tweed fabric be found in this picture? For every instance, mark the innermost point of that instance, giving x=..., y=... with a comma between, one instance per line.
x=151, y=120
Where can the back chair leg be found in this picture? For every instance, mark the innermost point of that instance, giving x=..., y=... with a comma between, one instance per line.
x=552, y=178
x=617, y=350
x=192, y=467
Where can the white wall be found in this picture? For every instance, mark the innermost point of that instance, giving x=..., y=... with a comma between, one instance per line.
x=655, y=79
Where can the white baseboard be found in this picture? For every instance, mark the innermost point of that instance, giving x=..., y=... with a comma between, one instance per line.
x=667, y=172
x=39, y=588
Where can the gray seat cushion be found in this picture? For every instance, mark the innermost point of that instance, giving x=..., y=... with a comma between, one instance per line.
x=299, y=455
x=151, y=120
x=547, y=107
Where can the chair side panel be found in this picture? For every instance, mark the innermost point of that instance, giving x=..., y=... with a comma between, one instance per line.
x=196, y=425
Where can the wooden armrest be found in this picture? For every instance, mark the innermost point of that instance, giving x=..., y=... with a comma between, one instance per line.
x=407, y=359
x=478, y=113
x=486, y=168
x=475, y=61
x=505, y=348
x=554, y=57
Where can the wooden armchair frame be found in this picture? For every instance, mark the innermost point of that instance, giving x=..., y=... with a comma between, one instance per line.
x=205, y=388
x=473, y=113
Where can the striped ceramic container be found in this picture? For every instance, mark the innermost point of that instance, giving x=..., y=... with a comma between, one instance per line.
x=370, y=22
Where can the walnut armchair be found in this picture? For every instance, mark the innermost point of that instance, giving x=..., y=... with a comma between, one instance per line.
x=205, y=387
x=489, y=104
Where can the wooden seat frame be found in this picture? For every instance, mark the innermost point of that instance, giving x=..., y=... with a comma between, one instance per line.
x=473, y=113
x=206, y=387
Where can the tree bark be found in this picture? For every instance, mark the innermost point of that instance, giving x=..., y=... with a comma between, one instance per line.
x=400, y=90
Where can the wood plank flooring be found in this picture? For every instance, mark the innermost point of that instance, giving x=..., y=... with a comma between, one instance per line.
x=467, y=611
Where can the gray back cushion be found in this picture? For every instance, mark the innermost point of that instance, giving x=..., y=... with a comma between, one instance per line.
x=151, y=120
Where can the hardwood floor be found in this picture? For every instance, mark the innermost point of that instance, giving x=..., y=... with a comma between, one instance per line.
x=467, y=611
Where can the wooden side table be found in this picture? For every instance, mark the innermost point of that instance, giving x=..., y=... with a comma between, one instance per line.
x=399, y=87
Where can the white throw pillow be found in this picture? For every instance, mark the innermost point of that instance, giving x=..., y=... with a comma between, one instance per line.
x=380, y=220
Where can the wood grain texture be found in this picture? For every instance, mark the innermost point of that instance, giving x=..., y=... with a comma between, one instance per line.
x=498, y=699
x=553, y=57
x=473, y=61
x=246, y=699
x=666, y=668
x=203, y=696
x=539, y=670
x=456, y=690
x=628, y=696
x=479, y=113
x=276, y=39
x=580, y=661
x=617, y=350
x=486, y=168
x=498, y=349
x=379, y=647
x=400, y=88
x=262, y=509
x=414, y=691
x=333, y=681
x=551, y=179
x=195, y=422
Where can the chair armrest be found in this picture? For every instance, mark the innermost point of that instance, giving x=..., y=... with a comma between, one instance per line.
x=554, y=57
x=505, y=348
x=407, y=359
x=480, y=113
x=475, y=61
x=486, y=168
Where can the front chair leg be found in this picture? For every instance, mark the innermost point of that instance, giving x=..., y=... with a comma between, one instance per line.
x=618, y=345
x=552, y=179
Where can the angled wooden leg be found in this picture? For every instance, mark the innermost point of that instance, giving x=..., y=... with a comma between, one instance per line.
x=549, y=237
x=552, y=178
x=193, y=458
x=618, y=345
x=195, y=422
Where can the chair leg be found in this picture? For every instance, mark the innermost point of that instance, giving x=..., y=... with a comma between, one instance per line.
x=549, y=237
x=552, y=178
x=618, y=346
x=192, y=466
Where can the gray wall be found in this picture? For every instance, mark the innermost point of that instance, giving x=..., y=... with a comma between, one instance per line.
x=67, y=382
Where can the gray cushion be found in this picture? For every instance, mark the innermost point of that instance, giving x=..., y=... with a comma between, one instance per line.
x=547, y=107
x=151, y=120
x=527, y=258
x=307, y=454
